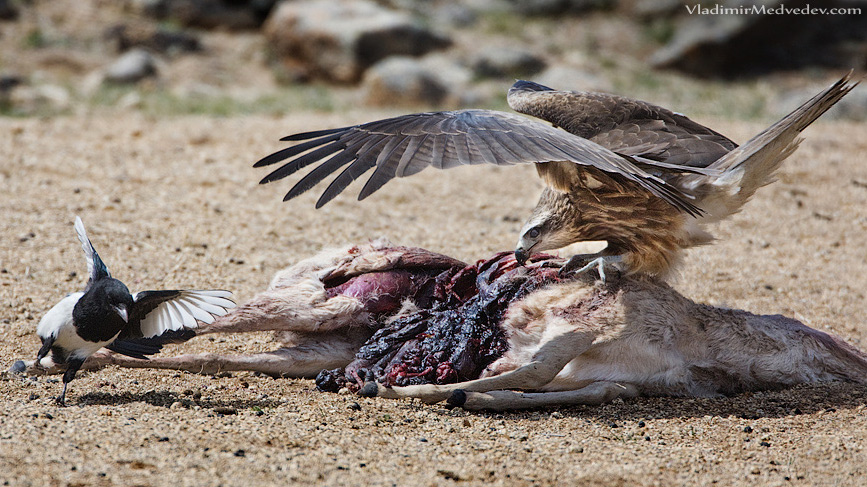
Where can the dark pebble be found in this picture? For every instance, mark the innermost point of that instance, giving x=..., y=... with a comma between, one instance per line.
x=225, y=410
x=164, y=438
x=240, y=453
x=423, y=440
x=48, y=416
x=612, y=424
x=641, y=424
x=765, y=443
x=369, y=389
x=259, y=412
x=646, y=438
x=748, y=429
x=18, y=367
x=33, y=397
x=355, y=406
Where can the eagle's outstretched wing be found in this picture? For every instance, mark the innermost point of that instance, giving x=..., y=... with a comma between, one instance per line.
x=405, y=145
x=623, y=125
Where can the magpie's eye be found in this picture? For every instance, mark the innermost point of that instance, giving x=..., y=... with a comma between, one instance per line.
x=533, y=232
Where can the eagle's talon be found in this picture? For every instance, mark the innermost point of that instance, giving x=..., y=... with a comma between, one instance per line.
x=571, y=267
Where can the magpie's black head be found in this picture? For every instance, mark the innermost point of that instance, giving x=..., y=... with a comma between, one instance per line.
x=105, y=306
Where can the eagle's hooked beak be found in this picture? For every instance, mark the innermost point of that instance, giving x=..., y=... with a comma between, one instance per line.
x=521, y=255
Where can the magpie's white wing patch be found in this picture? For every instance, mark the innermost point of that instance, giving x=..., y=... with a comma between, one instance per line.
x=185, y=311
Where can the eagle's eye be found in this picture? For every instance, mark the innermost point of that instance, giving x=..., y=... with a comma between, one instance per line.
x=533, y=232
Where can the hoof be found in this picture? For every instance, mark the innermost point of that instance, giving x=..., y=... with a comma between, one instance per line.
x=18, y=367
x=369, y=389
x=458, y=398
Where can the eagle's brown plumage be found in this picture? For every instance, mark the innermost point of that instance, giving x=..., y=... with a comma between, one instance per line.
x=639, y=176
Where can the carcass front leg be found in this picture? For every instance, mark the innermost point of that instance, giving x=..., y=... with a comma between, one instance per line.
x=594, y=394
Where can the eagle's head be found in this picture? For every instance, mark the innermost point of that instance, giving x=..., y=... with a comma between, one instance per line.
x=553, y=224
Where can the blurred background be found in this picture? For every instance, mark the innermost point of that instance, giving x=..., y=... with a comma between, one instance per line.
x=235, y=57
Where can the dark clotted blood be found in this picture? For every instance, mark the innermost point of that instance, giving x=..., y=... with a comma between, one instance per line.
x=454, y=335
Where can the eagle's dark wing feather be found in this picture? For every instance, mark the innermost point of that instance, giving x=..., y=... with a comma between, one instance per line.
x=405, y=145
x=623, y=125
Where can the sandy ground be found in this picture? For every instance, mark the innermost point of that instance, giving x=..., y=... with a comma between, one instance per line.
x=175, y=203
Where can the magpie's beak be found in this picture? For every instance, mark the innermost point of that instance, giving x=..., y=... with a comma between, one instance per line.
x=521, y=255
x=122, y=312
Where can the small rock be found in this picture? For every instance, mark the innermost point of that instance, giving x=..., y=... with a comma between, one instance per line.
x=226, y=411
x=18, y=367
x=510, y=62
x=9, y=81
x=156, y=39
x=177, y=405
x=135, y=65
x=8, y=10
x=240, y=453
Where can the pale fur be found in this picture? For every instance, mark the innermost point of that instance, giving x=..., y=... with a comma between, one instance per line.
x=578, y=342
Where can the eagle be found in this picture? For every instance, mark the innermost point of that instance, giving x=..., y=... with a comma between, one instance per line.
x=643, y=178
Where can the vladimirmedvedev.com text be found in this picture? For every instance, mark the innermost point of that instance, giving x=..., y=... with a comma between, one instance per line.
x=781, y=9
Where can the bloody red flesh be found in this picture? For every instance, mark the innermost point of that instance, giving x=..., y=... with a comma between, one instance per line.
x=455, y=332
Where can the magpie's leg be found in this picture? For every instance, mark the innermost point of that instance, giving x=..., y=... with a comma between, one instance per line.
x=595, y=261
x=72, y=367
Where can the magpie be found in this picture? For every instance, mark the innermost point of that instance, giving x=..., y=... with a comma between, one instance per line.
x=105, y=314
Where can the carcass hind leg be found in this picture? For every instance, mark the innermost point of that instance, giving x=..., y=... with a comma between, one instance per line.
x=304, y=360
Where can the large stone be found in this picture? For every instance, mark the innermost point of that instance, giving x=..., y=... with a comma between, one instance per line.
x=209, y=14
x=715, y=43
x=338, y=40
x=410, y=82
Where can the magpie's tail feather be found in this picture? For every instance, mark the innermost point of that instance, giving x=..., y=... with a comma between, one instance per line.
x=140, y=348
